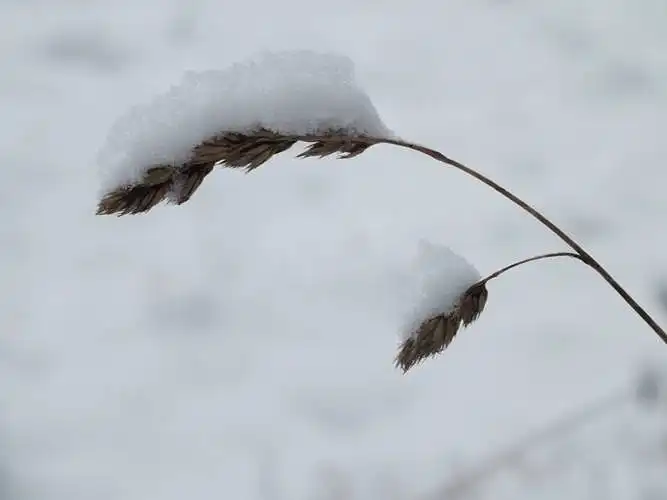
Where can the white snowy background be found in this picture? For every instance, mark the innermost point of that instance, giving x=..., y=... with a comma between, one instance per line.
x=235, y=347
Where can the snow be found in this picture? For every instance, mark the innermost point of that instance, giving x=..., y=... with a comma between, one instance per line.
x=242, y=345
x=296, y=92
x=440, y=277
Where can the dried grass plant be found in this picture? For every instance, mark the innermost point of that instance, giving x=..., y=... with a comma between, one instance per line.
x=648, y=395
x=177, y=184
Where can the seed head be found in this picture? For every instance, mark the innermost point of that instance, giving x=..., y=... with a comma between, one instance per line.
x=436, y=333
x=177, y=183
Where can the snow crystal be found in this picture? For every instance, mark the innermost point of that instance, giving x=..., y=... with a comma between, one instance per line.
x=439, y=277
x=292, y=92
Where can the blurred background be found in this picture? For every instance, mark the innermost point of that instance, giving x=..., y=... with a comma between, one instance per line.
x=238, y=346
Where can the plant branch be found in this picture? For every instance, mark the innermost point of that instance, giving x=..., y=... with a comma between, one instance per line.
x=249, y=151
x=585, y=256
x=525, y=261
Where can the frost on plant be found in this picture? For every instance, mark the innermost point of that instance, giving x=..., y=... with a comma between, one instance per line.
x=237, y=117
x=450, y=293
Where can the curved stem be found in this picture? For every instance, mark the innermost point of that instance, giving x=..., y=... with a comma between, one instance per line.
x=585, y=256
x=525, y=261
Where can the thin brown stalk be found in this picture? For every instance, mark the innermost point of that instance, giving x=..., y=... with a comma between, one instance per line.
x=497, y=273
x=585, y=256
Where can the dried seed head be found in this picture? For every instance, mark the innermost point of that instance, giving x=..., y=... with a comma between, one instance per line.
x=436, y=333
x=473, y=302
x=235, y=150
x=346, y=147
x=140, y=197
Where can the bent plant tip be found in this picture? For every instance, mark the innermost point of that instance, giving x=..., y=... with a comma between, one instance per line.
x=248, y=151
x=435, y=333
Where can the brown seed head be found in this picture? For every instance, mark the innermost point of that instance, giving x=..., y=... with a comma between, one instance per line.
x=177, y=183
x=472, y=303
x=436, y=333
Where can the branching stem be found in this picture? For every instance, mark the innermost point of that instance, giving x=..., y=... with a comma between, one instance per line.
x=584, y=256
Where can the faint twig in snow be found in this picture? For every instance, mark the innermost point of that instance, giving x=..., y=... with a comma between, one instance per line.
x=476, y=477
x=651, y=387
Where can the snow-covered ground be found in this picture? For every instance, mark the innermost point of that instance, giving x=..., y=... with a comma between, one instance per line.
x=239, y=346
